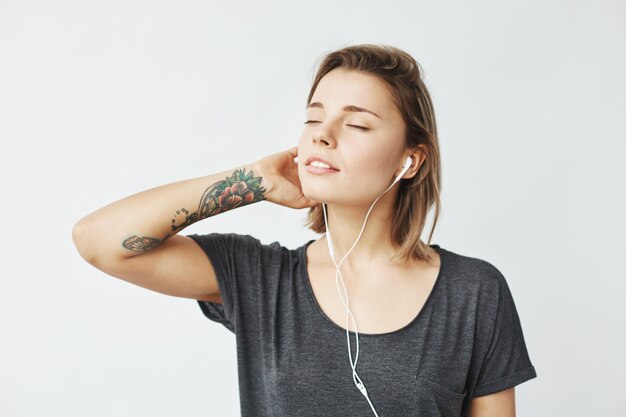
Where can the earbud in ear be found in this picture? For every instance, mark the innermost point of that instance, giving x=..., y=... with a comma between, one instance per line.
x=295, y=159
x=405, y=168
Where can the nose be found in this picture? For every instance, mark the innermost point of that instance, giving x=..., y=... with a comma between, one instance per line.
x=323, y=135
x=319, y=139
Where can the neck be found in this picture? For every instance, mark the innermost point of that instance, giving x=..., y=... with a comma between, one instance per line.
x=375, y=244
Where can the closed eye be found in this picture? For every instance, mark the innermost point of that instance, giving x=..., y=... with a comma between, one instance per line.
x=355, y=126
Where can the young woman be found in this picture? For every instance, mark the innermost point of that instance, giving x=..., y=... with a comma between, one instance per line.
x=436, y=332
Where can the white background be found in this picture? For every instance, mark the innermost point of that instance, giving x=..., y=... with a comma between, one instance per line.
x=100, y=100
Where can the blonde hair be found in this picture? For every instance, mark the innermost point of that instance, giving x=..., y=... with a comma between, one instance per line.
x=403, y=75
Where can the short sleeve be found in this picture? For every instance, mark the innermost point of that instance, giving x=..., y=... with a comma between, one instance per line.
x=234, y=257
x=507, y=362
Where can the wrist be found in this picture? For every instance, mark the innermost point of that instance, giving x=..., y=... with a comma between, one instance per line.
x=260, y=174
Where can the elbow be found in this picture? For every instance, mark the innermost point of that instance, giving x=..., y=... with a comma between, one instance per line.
x=80, y=239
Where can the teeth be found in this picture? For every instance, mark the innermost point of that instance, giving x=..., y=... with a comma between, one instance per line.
x=319, y=164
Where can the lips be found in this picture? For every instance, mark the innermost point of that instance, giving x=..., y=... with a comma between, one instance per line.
x=317, y=158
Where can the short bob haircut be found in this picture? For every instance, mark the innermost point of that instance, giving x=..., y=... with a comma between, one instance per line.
x=404, y=77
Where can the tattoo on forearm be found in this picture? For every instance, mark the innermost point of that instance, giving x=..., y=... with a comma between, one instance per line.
x=235, y=191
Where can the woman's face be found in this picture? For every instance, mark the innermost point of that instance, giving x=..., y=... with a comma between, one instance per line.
x=367, y=159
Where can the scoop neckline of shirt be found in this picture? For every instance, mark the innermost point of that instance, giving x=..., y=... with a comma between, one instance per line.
x=442, y=263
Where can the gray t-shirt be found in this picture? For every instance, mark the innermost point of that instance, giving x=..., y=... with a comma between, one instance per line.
x=467, y=340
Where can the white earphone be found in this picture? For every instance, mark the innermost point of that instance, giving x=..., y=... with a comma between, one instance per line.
x=359, y=384
x=405, y=167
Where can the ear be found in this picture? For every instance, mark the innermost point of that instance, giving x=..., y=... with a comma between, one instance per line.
x=418, y=155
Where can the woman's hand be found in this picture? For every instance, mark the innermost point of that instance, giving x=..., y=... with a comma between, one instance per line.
x=281, y=173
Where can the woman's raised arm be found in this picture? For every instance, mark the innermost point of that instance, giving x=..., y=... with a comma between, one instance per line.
x=144, y=221
x=136, y=239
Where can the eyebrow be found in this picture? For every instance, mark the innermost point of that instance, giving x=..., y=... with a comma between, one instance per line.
x=349, y=107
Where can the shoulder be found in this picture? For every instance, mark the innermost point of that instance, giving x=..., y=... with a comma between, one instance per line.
x=477, y=271
x=240, y=245
x=233, y=238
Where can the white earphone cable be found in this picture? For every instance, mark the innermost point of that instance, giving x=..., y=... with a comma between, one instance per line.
x=359, y=384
